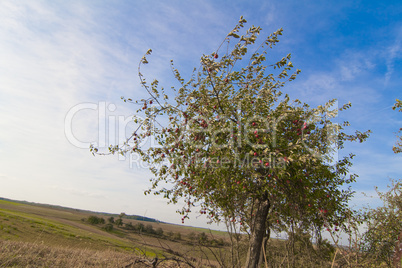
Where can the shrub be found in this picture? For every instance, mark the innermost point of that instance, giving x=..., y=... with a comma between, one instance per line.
x=159, y=231
x=95, y=220
x=177, y=236
x=108, y=227
x=149, y=229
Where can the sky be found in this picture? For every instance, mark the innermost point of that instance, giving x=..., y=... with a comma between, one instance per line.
x=64, y=66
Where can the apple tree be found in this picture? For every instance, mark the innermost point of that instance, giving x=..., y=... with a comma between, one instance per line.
x=233, y=146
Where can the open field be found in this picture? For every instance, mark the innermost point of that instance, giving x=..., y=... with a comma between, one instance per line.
x=23, y=254
x=34, y=235
x=46, y=232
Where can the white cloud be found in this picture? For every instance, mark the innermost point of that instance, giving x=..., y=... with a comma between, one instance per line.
x=393, y=53
x=55, y=55
x=354, y=64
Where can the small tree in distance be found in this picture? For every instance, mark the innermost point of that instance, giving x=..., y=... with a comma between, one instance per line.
x=119, y=222
x=96, y=220
x=234, y=147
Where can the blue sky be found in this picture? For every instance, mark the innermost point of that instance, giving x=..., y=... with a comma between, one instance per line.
x=55, y=55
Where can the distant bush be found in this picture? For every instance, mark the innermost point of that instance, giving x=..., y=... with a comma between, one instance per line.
x=202, y=238
x=191, y=236
x=169, y=234
x=149, y=229
x=129, y=226
x=159, y=232
x=108, y=227
x=139, y=227
x=95, y=220
x=217, y=242
x=177, y=236
x=119, y=222
x=173, y=236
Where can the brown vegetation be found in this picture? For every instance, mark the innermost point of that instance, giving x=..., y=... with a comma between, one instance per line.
x=25, y=254
x=38, y=236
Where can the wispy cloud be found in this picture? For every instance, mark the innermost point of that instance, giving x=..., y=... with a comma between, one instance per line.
x=343, y=81
x=354, y=64
x=393, y=53
x=56, y=55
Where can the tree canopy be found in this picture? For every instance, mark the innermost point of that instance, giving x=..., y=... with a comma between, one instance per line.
x=384, y=227
x=235, y=147
x=397, y=148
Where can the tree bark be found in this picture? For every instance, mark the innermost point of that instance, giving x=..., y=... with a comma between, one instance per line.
x=258, y=232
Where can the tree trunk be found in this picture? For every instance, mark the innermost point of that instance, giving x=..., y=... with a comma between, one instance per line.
x=264, y=246
x=258, y=232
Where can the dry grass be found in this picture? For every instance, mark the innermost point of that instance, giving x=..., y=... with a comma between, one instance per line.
x=37, y=236
x=24, y=254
